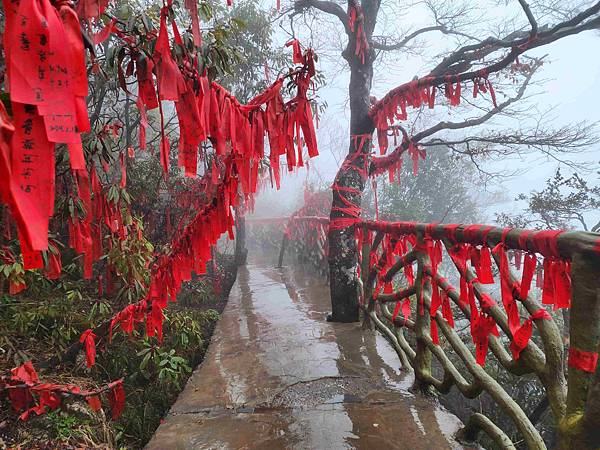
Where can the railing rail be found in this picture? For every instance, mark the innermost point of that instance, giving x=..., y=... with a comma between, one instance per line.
x=518, y=329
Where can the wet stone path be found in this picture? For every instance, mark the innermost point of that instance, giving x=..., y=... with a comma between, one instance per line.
x=278, y=376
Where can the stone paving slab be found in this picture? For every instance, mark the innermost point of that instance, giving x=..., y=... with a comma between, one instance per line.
x=278, y=376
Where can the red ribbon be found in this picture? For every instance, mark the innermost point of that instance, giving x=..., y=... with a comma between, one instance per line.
x=582, y=360
x=434, y=332
x=123, y=165
x=350, y=209
x=24, y=388
x=510, y=305
x=104, y=33
x=116, y=398
x=396, y=311
x=523, y=333
x=355, y=22
x=447, y=309
x=87, y=339
x=529, y=266
x=192, y=7
x=296, y=51
x=484, y=266
x=54, y=265
x=32, y=180
x=557, y=283
x=481, y=328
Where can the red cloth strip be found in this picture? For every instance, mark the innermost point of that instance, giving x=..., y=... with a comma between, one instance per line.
x=546, y=242
x=582, y=360
x=523, y=333
x=87, y=339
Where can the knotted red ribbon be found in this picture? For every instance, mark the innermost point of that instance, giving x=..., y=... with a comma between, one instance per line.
x=452, y=91
x=403, y=305
x=482, y=261
x=415, y=153
x=483, y=84
x=557, y=283
x=350, y=209
x=297, y=57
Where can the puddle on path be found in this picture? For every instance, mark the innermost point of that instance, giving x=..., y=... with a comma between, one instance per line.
x=278, y=376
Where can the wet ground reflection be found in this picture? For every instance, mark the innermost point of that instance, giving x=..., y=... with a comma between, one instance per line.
x=278, y=376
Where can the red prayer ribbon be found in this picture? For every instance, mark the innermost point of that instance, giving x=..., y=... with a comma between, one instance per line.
x=28, y=395
x=582, y=360
x=87, y=339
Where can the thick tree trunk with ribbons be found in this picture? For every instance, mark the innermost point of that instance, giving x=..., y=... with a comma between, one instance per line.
x=342, y=244
x=350, y=179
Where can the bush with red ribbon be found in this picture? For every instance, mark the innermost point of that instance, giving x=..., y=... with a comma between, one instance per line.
x=47, y=77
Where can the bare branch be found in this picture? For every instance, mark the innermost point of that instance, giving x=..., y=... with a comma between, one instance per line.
x=326, y=7
x=402, y=43
x=549, y=142
x=470, y=53
x=532, y=21
x=567, y=138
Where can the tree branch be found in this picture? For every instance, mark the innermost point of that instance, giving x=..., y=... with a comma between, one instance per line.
x=529, y=14
x=381, y=163
x=564, y=138
x=402, y=43
x=405, y=41
x=478, y=120
x=473, y=52
x=517, y=42
x=326, y=7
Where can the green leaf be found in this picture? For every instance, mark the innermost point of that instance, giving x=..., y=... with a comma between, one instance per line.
x=145, y=361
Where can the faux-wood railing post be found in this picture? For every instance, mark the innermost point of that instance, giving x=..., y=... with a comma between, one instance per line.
x=580, y=427
x=284, y=241
x=365, y=252
x=423, y=357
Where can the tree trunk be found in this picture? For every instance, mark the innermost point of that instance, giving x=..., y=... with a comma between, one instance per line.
x=352, y=174
x=241, y=252
x=342, y=253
